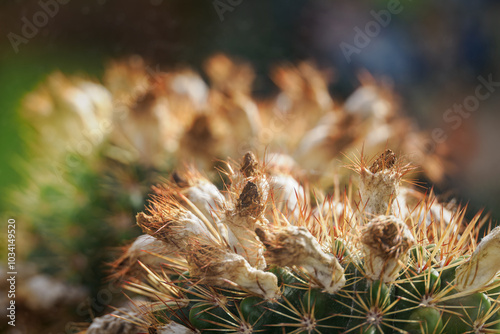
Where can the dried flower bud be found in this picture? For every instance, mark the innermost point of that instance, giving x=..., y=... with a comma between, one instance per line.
x=250, y=202
x=296, y=246
x=239, y=226
x=251, y=184
x=410, y=201
x=482, y=266
x=218, y=266
x=386, y=241
x=385, y=161
x=249, y=166
x=379, y=185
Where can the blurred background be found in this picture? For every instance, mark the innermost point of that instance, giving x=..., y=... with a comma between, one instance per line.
x=433, y=54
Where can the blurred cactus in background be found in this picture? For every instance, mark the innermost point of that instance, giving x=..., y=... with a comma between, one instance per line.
x=100, y=146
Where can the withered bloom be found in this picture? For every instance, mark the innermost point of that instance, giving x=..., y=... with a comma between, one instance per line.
x=294, y=245
x=386, y=241
x=221, y=267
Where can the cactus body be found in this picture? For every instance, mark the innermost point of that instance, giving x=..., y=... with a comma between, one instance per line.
x=362, y=272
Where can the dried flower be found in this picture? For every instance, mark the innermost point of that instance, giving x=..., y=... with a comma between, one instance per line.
x=223, y=268
x=173, y=224
x=386, y=241
x=295, y=246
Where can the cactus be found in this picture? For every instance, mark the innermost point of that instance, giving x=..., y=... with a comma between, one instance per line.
x=269, y=234
x=368, y=268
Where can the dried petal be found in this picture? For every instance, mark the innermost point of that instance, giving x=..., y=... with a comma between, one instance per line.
x=296, y=246
x=218, y=266
x=482, y=266
x=380, y=183
x=173, y=224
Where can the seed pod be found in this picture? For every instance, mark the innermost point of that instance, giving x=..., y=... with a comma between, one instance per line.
x=386, y=241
